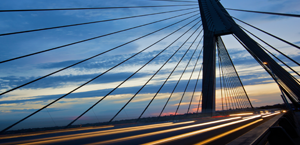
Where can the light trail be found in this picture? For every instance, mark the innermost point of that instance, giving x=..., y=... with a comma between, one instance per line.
x=251, y=117
x=97, y=133
x=139, y=128
x=228, y=132
x=270, y=115
x=160, y=132
x=56, y=131
x=199, y=131
x=241, y=114
x=234, y=130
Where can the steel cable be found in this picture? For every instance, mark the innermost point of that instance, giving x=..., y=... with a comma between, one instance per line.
x=95, y=8
x=92, y=57
x=255, y=57
x=164, y=83
x=196, y=80
x=85, y=40
x=270, y=13
x=188, y=80
x=268, y=33
x=93, y=22
x=174, y=88
x=151, y=77
x=238, y=83
x=220, y=80
x=200, y=96
x=234, y=84
x=130, y=75
x=276, y=50
x=86, y=82
x=175, y=1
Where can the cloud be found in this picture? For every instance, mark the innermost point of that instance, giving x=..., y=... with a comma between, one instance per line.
x=61, y=81
x=32, y=97
x=102, y=92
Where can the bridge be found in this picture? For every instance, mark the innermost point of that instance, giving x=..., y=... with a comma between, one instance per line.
x=147, y=72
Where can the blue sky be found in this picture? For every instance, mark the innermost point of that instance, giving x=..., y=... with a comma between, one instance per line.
x=17, y=104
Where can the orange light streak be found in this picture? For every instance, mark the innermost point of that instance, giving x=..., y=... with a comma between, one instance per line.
x=226, y=133
x=57, y=131
x=198, y=131
x=251, y=117
x=160, y=132
x=99, y=133
x=270, y=115
x=241, y=114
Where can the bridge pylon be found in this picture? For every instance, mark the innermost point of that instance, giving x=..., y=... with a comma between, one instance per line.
x=217, y=22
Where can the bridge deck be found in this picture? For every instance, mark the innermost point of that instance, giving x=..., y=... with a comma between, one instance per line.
x=196, y=131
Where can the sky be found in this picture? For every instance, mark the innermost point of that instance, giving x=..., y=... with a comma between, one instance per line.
x=17, y=104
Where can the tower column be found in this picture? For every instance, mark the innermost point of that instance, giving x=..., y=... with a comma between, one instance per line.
x=209, y=73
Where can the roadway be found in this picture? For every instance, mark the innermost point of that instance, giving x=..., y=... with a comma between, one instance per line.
x=209, y=131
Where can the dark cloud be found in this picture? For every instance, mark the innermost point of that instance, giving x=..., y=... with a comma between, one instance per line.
x=169, y=86
x=109, y=61
x=59, y=81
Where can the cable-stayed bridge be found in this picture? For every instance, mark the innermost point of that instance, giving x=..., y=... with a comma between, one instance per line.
x=143, y=70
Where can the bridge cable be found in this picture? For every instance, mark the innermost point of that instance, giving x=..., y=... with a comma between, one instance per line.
x=276, y=56
x=188, y=80
x=166, y=81
x=233, y=85
x=175, y=1
x=51, y=118
x=280, y=61
x=220, y=81
x=276, y=50
x=93, y=22
x=265, y=67
x=86, y=82
x=221, y=87
x=233, y=71
x=271, y=46
x=269, y=33
x=236, y=83
x=175, y=85
x=174, y=90
x=93, y=8
x=289, y=93
x=91, y=57
x=271, y=13
x=132, y=74
x=224, y=85
x=196, y=80
x=225, y=88
x=241, y=93
x=152, y=76
x=200, y=96
x=85, y=40
x=229, y=88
